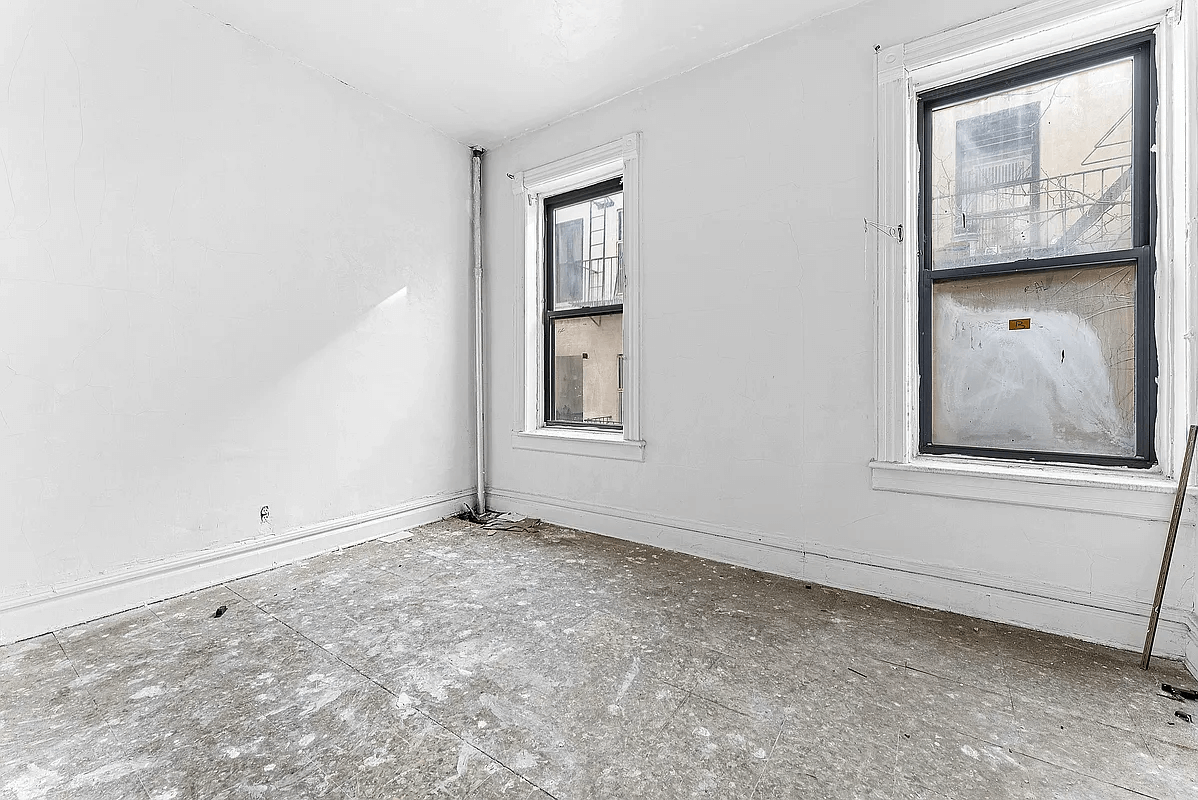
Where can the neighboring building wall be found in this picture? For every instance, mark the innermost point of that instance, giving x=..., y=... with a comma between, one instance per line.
x=758, y=375
x=226, y=281
x=598, y=342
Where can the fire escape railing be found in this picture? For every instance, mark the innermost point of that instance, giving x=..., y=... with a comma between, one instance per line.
x=1089, y=210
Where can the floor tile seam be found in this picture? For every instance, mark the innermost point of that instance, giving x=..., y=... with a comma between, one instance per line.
x=145, y=790
x=669, y=718
x=1065, y=768
x=315, y=644
x=86, y=691
x=477, y=748
x=938, y=676
x=1143, y=737
x=766, y=764
x=696, y=695
x=1133, y=668
x=700, y=674
x=267, y=609
x=310, y=764
x=390, y=692
x=1151, y=738
x=896, y=770
x=125, y=749
x=1131, y=728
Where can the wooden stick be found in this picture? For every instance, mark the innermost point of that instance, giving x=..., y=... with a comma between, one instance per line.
x=1178, y=501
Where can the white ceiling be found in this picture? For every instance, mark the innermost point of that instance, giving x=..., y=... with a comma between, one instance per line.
x=484, y=71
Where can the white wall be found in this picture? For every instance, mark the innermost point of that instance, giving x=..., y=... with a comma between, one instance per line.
x=226, y=281
x=758, y=376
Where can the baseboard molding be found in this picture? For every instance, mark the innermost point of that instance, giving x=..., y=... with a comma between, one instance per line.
x=1104, y=619
x=1191, y=658
x=71, y=604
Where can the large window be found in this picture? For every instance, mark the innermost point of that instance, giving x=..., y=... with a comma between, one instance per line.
x=1036, y=265
x=584, y=306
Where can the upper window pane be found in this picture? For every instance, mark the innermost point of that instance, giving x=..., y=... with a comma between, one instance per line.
x=1041, y=170
x=588, y=253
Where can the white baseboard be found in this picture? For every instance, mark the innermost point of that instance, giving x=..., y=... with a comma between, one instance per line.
x=1104, y=619
x=71, y=604
x=1191, y=658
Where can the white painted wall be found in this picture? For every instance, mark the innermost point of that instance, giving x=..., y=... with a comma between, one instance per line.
x=486, y=71
x=226, y=281
x=757, y=363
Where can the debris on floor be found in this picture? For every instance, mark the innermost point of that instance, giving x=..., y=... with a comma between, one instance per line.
x=493, y=521
x=469, y=514
x=220, y=612
x=183, y=721
x=1178, y=693
x=511, y=522
x=1183, y=716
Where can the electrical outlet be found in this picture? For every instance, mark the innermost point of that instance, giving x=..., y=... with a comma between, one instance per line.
x=264, y=514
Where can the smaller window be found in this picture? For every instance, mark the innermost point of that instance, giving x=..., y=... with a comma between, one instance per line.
x=577, y=370
x=584, y=307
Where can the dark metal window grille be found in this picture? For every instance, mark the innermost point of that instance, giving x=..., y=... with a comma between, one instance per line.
x=999, y=178
x=580, y=284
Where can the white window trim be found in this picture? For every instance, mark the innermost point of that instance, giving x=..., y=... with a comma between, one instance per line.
x=1004, y=40
x=618, y=158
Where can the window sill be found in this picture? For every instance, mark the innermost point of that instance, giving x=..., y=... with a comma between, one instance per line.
x=595, y=444
x=1114, y=491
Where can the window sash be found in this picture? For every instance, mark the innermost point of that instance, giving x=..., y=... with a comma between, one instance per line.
x=550, y=315
x=1140, y=47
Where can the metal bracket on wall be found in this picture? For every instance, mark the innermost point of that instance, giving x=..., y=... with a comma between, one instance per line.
x=895, y=232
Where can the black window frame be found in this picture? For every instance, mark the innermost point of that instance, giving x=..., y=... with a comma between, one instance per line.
x=549, y=315
x=1141, y=48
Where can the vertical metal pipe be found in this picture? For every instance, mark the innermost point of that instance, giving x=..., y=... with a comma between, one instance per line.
x=476, y=224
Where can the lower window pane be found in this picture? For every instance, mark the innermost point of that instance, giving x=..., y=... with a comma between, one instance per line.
x=1036, y=361
x=586, y=369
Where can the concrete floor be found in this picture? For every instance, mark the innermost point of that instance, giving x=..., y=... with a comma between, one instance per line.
x=551, y=663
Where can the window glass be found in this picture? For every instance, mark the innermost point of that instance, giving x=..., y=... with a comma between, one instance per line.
x=587, y=356
x=586, y=253
x=1036, y=171
x=1037, y=361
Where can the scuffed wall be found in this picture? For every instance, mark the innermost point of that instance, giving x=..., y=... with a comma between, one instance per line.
x=758, y=337
x=226, y=281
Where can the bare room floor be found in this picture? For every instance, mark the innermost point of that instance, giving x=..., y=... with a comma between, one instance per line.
x=547, y=662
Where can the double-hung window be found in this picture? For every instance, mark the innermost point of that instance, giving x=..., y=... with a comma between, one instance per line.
x=1034, y=282
x=578, y=304
x=584, y=307
x=1036, y=260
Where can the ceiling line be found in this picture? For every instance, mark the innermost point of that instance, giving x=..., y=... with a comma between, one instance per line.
x=321, y=72
x=673, y=75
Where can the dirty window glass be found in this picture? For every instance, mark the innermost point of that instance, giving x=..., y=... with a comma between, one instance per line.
x=1040, y=361
x=1037, y=171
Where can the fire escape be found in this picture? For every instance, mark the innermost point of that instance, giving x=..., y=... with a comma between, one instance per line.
x=1005, y=203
